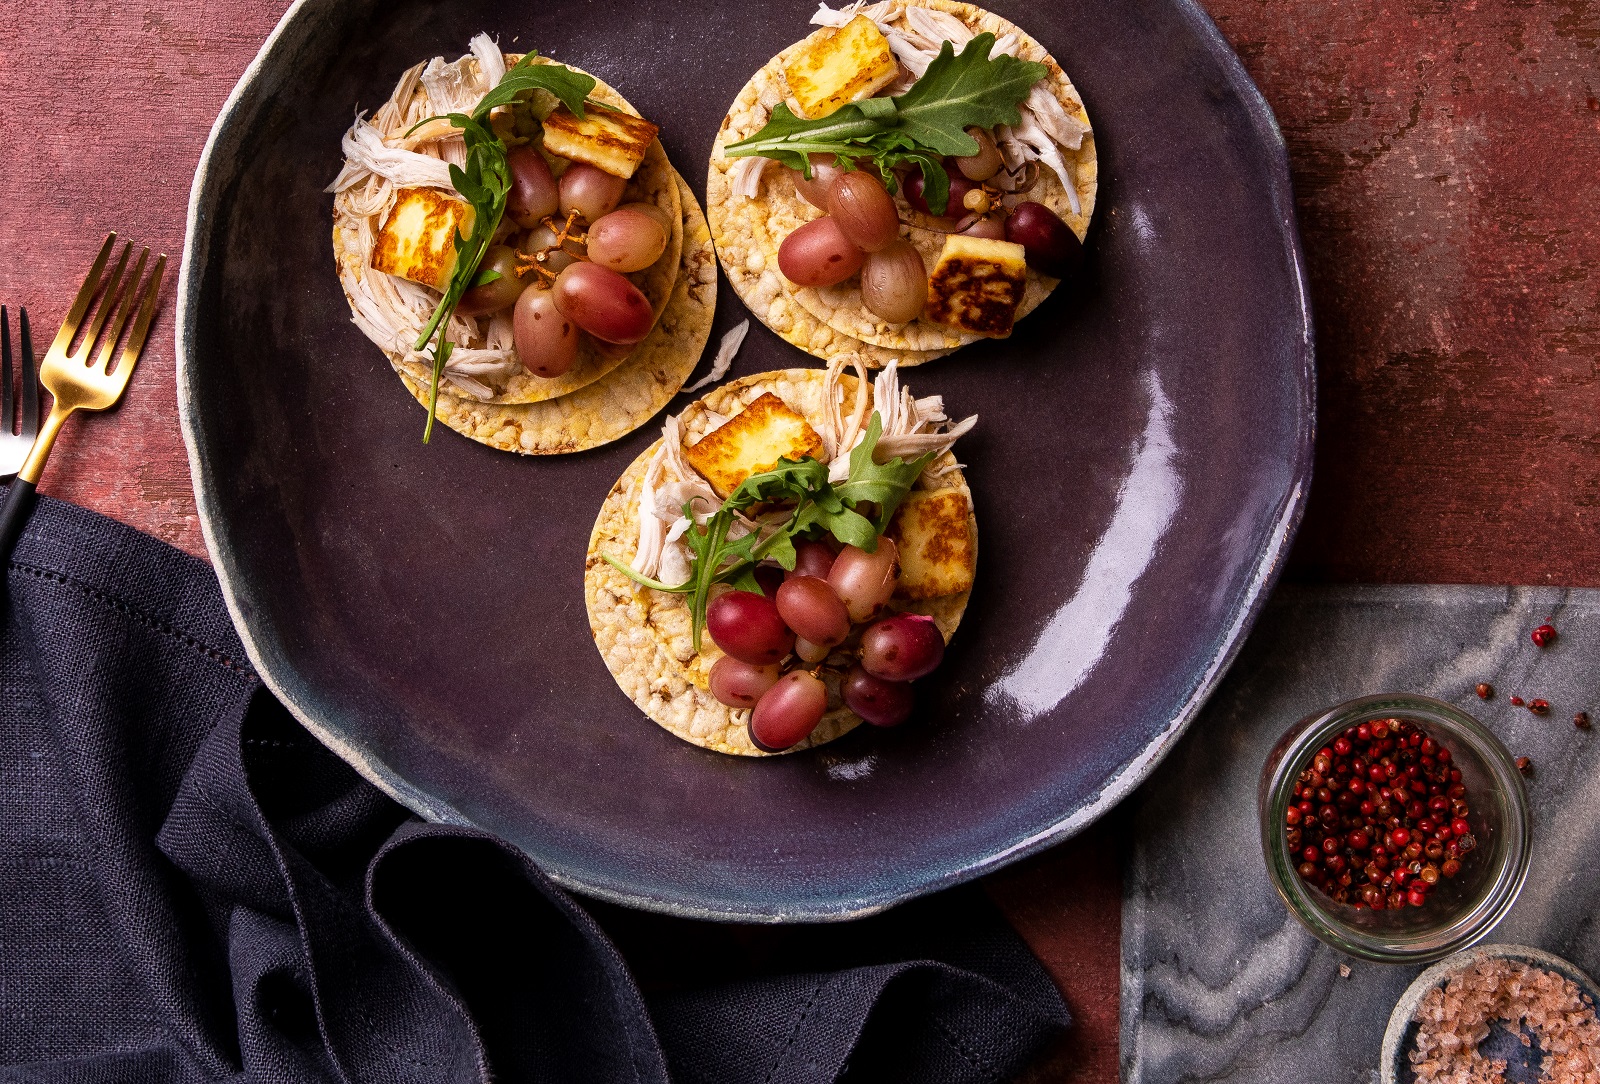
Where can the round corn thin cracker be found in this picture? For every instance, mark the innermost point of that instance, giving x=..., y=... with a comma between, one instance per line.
x=626, y=398
x=766, y=221
x=655, y=182
x=645, y=637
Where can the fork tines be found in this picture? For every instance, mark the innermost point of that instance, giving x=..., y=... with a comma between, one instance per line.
x=130, y=296
x=17, y=428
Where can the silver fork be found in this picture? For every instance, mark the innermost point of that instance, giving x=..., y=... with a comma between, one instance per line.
x=14, y=446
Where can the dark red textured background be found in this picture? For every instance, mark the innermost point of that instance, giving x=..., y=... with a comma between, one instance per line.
x=1447, y=163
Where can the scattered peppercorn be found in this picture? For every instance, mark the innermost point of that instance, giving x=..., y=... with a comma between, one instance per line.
x=1581, y=720
x=1484, y=690
x=1378, y=816
x=1516, y=701
x=1539, y=707
x=1544, y=635
x=1525, y=765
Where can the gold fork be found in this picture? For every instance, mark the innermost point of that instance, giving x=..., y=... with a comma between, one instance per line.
x=72, y=380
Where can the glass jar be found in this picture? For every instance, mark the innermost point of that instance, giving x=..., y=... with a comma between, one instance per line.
x=1461, y=910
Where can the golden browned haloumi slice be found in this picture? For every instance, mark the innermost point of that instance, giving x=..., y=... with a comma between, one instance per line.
x=418, y=240
x=607, y=139
x=931, y=531
x=753, y=441
x=977, y=285
x=850, y=63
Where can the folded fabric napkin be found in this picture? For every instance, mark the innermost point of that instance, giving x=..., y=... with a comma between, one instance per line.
x=193, y=889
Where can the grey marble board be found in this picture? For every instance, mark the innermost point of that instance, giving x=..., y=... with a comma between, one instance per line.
x=1219, y=983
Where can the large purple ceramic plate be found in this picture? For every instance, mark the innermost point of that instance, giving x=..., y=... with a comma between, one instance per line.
x=1141, y=463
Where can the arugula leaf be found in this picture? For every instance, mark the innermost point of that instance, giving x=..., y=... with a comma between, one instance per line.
x=526, y=77
x=711, y=547
x=790, y=138
x=781, y=549
x=920, y=127
x=746, y=581
x=847, y=525
x=484, y=182
x=789, y=478
x=957, y=92
x=882, y=484
x=646, y=581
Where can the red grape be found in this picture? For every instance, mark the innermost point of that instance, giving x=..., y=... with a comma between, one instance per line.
x=747, y=626
x=812, y=609
x=812, y=559
x=959, y=187
x=809, y=652
x=879, y=702
x=546, y=341
x=902, y=648
x=496, y=295
x=603, y=303
x=541, y=238
x=987, y=226
x=739, y=684
x=655, y=211
x=626, y=240
x=858, y=202
x=770, y=577
x=818, y=254
x=589, y=190
x=533, y=193
x=789, y=711
x=823, y=172
x=986, y=163
x=865, y=581
x=894, y=282
x=1053, y=249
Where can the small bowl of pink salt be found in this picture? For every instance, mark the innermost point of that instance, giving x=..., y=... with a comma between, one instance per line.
x=1495, y=1014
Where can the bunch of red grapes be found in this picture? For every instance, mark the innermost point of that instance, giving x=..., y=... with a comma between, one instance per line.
x=778, y=643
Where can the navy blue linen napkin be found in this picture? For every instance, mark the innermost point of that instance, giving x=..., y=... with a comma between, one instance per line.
x=193, y=889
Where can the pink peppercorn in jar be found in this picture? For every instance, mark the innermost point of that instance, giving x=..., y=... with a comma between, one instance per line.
x=1395, y=827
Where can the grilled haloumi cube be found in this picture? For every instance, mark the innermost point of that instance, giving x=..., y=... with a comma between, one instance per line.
x=418, y=241
x=931, y=531
x=607, y=139
x=849, y=64
x=977, y=285
x=753, y=441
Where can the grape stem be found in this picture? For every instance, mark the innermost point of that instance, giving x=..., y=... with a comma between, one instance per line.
x=565, y=234
x=536, y=261
x=994, y=195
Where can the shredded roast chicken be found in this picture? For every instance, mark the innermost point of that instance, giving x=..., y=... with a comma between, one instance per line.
x=911, y=427
x=916, y=35
x=839, y=435
x=746, y=178
x=727, y=350
x=383, y=155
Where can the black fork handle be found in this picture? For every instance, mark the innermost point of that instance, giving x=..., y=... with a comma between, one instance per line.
x=19, y=502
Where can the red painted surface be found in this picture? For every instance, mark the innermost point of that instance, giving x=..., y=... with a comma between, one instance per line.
x=1446, y=157
x=1447, y=162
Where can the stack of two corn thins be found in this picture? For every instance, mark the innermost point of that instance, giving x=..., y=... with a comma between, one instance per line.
x=828, y=321
x=739, y=429
x=607, y=393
